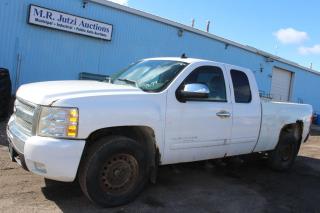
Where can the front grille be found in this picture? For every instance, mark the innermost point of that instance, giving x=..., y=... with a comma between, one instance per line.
x=24, y=116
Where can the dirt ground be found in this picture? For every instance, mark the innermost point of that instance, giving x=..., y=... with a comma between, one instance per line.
x=194, y=187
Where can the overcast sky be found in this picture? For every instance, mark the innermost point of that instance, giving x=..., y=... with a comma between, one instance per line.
x=287, y=28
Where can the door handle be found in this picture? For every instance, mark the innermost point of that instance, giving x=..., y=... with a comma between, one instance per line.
x=224, y=114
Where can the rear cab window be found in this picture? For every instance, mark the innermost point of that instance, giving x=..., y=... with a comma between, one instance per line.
x=241, y=86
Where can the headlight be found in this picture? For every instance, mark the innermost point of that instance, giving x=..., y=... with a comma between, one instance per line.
x=58, y=122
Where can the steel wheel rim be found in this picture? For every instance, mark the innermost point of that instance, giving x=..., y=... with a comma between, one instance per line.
x=119, y=174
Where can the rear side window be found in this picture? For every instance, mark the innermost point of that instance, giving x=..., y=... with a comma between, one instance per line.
x=241, y=87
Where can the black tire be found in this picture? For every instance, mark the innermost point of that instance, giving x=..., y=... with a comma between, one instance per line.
x=285, y=153
x=5, y=99
x=5, y=93
x=5, y=104
x=114, y=171
x=4, y=77
x=4, y=112
x=5, y=81
x=5, y=84
x=5, y=89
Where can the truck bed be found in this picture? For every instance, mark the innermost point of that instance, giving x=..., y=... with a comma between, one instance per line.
x=275, y=115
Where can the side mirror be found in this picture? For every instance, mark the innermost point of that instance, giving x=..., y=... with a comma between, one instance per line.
x=194, y=91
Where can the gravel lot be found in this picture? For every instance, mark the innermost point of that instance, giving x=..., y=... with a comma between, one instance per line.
x=193, y=187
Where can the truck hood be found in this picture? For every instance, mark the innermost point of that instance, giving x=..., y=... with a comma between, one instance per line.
x=45, y=93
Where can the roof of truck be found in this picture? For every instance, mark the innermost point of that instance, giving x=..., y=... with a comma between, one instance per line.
x=193, y=60
x=186, y=60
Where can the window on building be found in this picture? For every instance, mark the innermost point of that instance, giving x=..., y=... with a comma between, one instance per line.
x=213, y=78
x=241, y=87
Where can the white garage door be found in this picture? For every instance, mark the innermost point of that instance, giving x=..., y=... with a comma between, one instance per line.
x=281, y=84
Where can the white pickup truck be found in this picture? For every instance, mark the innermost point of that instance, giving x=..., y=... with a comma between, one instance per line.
x=113, y=136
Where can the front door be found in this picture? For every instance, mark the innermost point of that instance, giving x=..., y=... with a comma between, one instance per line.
x=199, y=129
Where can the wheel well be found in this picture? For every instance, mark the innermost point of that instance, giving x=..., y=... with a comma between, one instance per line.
x=142, y=134
x=295, y=128
x=138, y=133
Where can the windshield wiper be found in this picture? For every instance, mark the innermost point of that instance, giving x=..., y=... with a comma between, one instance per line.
x=128, y=81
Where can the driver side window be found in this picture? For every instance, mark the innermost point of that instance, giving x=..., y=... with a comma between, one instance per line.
x=213, y=78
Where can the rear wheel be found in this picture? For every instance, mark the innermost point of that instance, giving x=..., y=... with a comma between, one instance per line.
x=114, y=171
x=283, y=157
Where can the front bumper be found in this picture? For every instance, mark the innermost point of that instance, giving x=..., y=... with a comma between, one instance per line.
x=56, y=159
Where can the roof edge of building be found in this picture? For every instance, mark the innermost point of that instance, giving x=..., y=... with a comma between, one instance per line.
x=200, y=32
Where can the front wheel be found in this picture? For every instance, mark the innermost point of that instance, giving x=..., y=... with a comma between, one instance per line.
x=114, y=171
x=284, y=155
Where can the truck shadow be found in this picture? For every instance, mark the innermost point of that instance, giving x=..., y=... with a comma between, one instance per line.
x=232, y=186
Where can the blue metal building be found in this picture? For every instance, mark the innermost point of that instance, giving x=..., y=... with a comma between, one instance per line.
x=36, y=53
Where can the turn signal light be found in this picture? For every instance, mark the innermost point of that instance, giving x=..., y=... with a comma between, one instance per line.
x=73, y=123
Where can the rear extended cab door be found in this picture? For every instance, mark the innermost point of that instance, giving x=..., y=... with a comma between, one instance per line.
x=246, y=107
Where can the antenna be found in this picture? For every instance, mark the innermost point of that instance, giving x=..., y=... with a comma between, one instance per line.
x=192, y=22
x=208, y=26
x=183, y=55
x=311, y=65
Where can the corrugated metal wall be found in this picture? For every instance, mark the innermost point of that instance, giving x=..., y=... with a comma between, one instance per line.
x=41, y=54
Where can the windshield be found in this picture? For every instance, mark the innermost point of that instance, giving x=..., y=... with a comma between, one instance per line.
x=151, y=75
